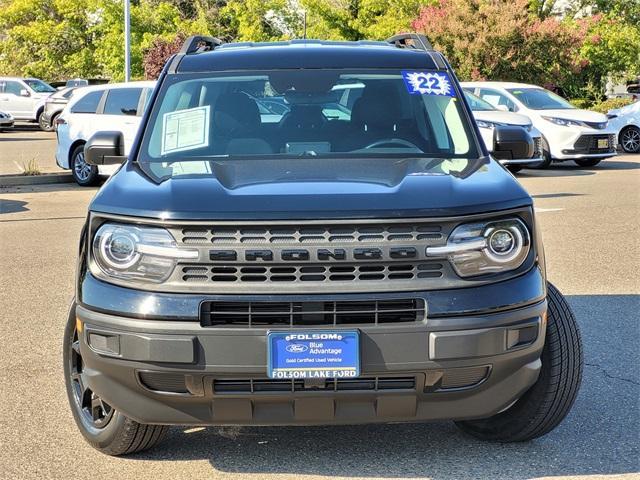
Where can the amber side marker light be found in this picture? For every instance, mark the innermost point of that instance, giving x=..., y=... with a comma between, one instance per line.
x=78, y=325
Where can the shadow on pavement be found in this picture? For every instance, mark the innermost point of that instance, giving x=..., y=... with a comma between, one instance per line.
x=599, y=437
x=12, y=206
x=8, y=138
x=47, y=187
x=571, y=169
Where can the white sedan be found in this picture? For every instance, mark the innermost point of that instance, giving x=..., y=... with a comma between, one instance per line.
x=568, y=133
x=488, y=117
x=626, y=121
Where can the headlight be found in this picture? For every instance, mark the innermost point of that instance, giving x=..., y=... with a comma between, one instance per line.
x=485, y=124
x=486, y=247
x=564, y=122
x=128, y=252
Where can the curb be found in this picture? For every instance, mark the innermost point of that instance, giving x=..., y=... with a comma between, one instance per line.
x=45, y=178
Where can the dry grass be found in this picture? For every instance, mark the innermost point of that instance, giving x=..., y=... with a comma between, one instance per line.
x=31, y=167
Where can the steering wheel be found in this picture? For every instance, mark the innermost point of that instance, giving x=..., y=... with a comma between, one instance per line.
x=392, y=141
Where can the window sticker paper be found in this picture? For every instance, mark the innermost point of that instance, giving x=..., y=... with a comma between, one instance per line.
x=428, y=83
x=185, y=130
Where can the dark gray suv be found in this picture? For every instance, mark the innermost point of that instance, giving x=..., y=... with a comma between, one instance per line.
x=313, y=232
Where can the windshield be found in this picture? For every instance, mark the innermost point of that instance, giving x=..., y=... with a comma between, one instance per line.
x=304, y=113
x=477, y=104
x=39, y=86
x=539, y=99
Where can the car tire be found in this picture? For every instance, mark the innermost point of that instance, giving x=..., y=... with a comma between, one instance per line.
x=102, y=426
x=546, y=155
x=54, y=125
x=587, y=162
x=514, y=168
x=43, y=125
x=84, y=174
x=548, y=401
x=630, y=139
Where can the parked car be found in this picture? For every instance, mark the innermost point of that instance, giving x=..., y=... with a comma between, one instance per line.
x=568, y=133
x=489, y=117
x=6, y=120
x=372, y=267
x=53, y=106
x=116, y=107
x=24, y=98
x=626, y=121
x=77, y=82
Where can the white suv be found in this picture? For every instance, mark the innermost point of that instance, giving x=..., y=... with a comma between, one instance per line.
x=567, y=132
x=114, y=107
x=24, y=98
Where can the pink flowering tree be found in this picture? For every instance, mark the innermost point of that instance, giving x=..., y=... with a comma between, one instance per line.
x=502, y=40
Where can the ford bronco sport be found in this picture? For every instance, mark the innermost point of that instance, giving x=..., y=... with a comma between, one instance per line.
x=312, y=232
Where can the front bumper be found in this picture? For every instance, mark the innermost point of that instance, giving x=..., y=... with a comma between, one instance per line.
x=569, y=143
x=457, y=366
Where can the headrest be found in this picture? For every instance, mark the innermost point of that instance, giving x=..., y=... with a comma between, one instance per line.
x=378, y=107
x=235, y=111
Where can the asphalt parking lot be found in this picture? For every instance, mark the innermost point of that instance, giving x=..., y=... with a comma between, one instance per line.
x=591, y=225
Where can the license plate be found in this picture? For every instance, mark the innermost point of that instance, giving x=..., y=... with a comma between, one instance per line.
x=603, y=143
x=313, y=354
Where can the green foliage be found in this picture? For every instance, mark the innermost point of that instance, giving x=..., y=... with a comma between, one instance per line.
x=611, y=103
x=583, y=103
x=360, y=19
x=48, y=38
x=611, y=46
x=520, y=40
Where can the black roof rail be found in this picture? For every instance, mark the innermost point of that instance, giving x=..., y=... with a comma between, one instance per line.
x=199, y=44
x=416, y=41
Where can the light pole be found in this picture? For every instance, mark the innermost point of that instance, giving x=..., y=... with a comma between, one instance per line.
x=127, y=41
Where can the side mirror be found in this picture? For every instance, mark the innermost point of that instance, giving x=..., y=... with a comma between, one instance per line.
x=502, y=108
x=105, y=148
x=24, y=92
x=511, y=143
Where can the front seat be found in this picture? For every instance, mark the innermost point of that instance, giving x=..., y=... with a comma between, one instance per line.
x=236, y=124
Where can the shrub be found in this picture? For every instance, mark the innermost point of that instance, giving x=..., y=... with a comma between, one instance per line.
x=584, y=103
x=610, y=104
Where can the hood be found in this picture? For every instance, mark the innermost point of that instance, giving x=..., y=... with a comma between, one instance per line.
x=633, y=108
x=498, y=116
x=322, y=189
x=574, y=114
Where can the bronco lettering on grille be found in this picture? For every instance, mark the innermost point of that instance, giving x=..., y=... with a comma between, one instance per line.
x=320, y=254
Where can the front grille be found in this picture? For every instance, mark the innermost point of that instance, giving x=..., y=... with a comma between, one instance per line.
x=589, y=143
x=321, y=234
x=316, y=256
x=234, y=273
x=251, y=385
x=258, y=314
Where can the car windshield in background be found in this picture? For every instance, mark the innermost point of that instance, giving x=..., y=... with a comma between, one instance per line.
x=539, y=99
x=477, y=104
x=39, y=86
x=305, y=113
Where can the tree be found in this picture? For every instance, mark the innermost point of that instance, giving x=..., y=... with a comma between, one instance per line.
x=500, y=40
x=157, y=54
x=360, y=19
x=50, y=39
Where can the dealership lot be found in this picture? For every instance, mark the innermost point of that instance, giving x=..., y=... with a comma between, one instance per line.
x=590, y=222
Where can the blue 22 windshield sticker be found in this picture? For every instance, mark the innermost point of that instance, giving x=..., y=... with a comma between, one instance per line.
x=428, y=83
